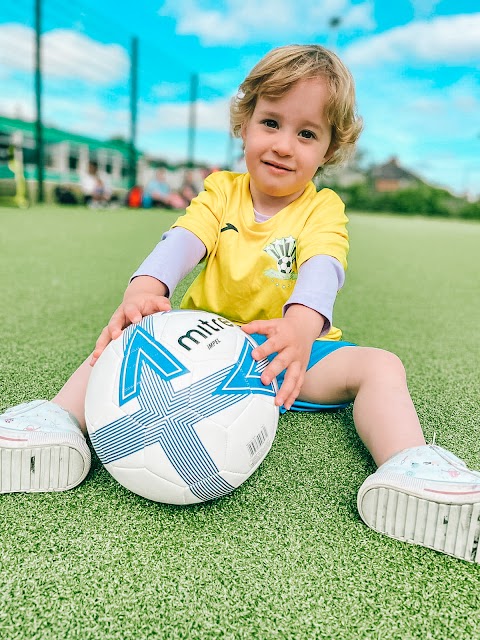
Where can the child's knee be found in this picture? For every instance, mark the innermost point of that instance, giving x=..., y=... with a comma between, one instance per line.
x=371, y=365
x=384, y=363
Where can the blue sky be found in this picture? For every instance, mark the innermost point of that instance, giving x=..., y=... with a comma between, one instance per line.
x=416, y=65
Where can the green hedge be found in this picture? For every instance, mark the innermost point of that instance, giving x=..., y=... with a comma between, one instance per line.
x=417, y=200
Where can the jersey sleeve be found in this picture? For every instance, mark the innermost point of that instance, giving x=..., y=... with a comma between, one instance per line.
x=204, y=215
x=325, y=232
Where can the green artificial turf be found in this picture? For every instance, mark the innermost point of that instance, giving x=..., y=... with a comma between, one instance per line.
x=285, y=555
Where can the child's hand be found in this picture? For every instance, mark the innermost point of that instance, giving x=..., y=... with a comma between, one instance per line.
x=143, y=296
x=291, y=338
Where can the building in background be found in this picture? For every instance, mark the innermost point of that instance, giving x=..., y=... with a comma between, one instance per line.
x=67, y=156
x=390, y=176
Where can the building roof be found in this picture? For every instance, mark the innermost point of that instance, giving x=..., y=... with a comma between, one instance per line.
x=391, y=170
x=51, y=135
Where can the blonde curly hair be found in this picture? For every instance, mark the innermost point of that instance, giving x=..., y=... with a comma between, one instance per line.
x=280, y=69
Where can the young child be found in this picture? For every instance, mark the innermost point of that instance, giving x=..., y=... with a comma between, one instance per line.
x=275, y=253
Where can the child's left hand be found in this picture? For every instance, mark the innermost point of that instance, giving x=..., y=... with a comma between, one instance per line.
x=291, y=339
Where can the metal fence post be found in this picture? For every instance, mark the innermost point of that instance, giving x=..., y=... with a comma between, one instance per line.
x=133, y=112
x=38, y=101
x=192, y=119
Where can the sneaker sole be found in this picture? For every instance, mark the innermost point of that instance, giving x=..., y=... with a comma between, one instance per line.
x=441, y=524
x=41, y=463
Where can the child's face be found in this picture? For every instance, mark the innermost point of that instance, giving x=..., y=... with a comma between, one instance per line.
x=286, y=140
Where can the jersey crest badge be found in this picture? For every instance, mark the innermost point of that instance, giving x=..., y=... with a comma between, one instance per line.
x=283, y=250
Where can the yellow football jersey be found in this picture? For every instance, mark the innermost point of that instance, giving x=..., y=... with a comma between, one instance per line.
x=251, y=268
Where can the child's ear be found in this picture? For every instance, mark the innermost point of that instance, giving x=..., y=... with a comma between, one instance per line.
x=243, y=132
x=330, y=151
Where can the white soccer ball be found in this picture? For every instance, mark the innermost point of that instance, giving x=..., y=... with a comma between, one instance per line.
x=285, y=264
x=176, y=410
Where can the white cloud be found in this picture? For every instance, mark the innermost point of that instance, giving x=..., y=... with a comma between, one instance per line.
x=452, y=100
x=71, y=53
x=169, y=89
x=211, y=116
x=18, y=106
x=445, y=39
x=162, y=130
x=66, y=54
x=227, y=80
x=89, y=118
x=84, y=115
x=238, y=21
x=358, y=17
x=16, y=47
x=424, y=8
x=429, y=116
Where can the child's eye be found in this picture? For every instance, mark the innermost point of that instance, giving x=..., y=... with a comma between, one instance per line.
x=307, y=134
x=270, y=123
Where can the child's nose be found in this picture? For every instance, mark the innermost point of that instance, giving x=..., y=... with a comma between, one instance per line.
x=283, y=144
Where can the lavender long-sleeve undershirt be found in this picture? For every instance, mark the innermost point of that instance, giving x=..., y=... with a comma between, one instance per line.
x=180, y=250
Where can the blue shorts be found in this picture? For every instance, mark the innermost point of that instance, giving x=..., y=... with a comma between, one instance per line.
x=320, y=349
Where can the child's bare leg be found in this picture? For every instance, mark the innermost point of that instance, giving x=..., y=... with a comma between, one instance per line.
x=383, y=411
x=72, y=395
x=424, y=494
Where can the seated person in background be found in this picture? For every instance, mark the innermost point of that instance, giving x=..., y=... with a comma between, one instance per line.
x=188, y=190
x=95, y=188
x=157, y=193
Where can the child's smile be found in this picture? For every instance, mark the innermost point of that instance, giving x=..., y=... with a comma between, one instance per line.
x=276, y=167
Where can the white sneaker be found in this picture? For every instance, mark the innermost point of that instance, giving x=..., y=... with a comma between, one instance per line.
x=42, y=448
x=425, y=496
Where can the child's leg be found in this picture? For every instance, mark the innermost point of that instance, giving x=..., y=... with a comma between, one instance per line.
x=424, y=494
x=72, y=395
x=42, y=443
x=375, y=380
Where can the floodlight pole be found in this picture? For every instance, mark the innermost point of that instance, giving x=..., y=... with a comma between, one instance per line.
x=133, y=112
x=334, y=24
x=192, y=119
x=38, y=102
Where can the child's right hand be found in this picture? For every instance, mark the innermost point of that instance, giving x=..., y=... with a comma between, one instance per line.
x=143, y=296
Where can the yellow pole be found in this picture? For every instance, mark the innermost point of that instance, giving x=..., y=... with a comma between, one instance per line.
x=15, y=164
